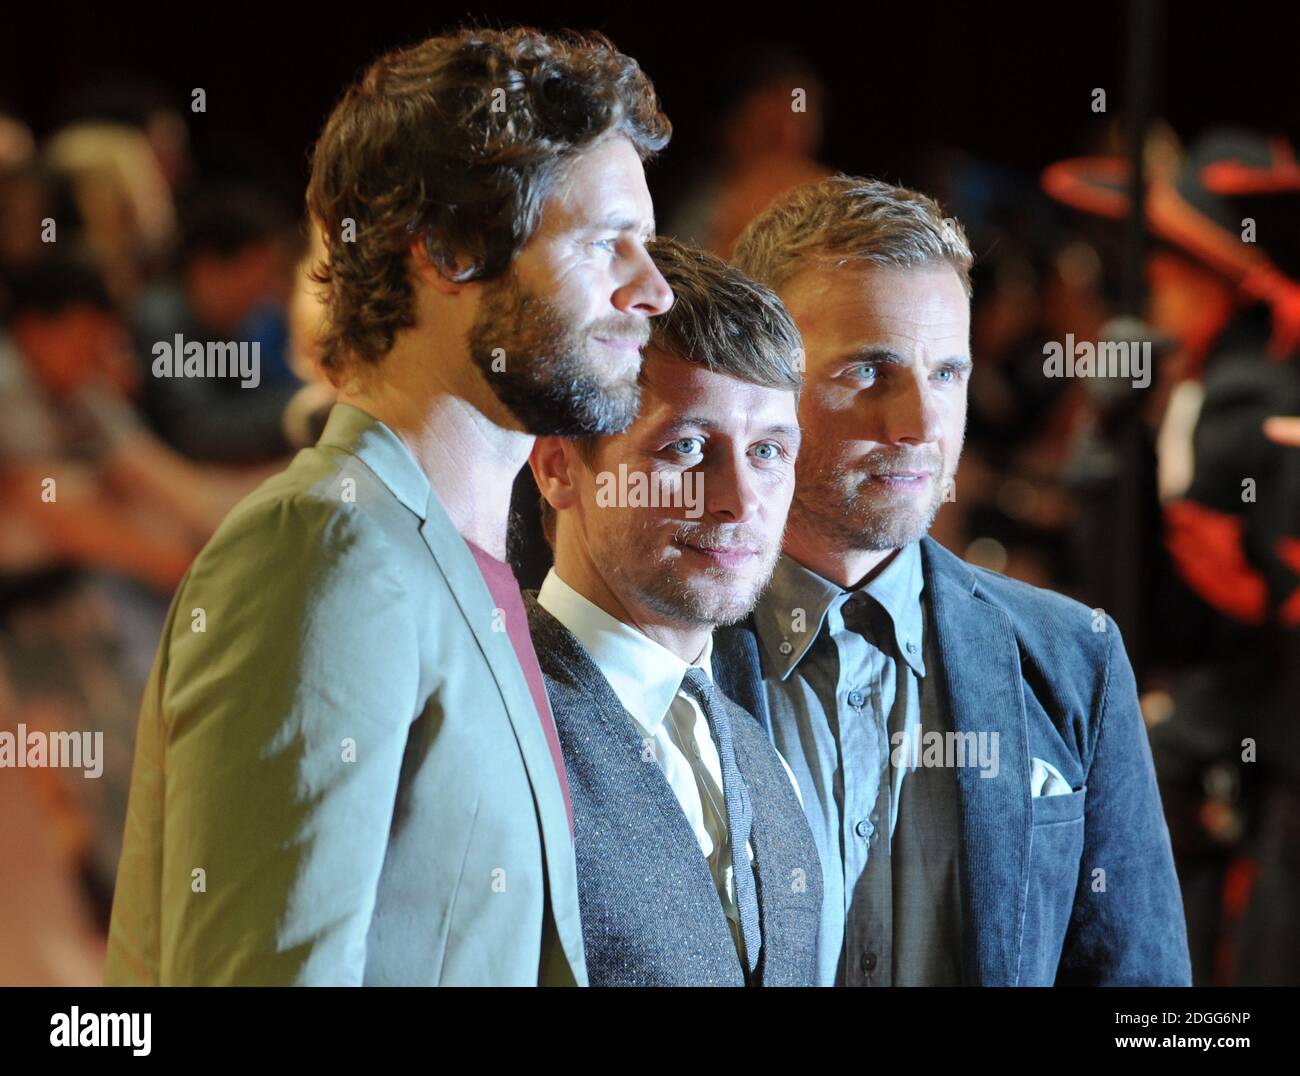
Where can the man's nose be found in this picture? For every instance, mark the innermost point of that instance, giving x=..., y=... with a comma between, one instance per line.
x=730, y=491
x=913, y=413
x=647, y=292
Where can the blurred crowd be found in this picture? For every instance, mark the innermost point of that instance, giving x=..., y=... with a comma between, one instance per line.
x=111, y=478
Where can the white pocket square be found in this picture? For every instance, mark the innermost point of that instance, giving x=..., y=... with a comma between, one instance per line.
x=1046, y=780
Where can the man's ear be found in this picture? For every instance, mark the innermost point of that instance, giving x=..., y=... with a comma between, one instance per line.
x=554, y=462
x=441, y=277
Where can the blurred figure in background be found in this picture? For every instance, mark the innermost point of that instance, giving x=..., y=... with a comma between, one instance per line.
x=30, y=196
x=100, y=522
x=1034, y=280
x=65, y=367
x=233, y=281
x=121, y=196
x=1223, y=565
x=100, y=514
x=146, y=107
x=769, y=134
x=17, y=147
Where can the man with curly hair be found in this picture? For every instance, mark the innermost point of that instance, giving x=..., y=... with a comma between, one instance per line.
x=347, y=770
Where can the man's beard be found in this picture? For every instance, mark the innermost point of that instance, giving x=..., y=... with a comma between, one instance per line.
x=673, y=588
x=841, y=504
x=539, y=363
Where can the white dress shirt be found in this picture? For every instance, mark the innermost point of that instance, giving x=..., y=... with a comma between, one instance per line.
x=647, y=679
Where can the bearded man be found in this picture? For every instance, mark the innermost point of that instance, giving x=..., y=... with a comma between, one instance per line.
x=346, y=770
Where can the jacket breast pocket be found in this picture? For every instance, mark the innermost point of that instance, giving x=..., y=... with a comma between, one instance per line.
x=1047, y=810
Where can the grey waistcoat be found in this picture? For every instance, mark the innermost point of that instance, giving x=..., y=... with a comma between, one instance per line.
x=650, y=910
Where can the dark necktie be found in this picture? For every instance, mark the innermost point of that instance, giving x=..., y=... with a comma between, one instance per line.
x=740, y=815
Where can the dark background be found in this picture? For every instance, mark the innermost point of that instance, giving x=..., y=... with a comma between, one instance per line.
x=1010, y=84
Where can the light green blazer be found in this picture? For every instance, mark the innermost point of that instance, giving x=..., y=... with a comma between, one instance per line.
x=340, y=776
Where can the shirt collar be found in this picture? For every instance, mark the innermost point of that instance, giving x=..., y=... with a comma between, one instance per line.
x=797, y=602
x=644, y=675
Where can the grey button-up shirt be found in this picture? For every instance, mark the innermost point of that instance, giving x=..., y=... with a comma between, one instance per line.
x=848, y=692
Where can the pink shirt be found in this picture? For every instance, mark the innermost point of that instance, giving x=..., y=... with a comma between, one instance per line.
x=510, y=600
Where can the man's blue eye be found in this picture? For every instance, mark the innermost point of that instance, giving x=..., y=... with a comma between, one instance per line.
x=868, y=366
x=772, y=450
x=606, y=244
x=686, y=446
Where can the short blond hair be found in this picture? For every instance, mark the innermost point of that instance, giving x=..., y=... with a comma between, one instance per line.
x=846, y=219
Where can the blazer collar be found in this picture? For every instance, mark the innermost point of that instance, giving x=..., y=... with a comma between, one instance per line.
x=379, y=448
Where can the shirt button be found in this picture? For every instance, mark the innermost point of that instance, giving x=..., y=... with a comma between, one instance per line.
x=865, y=829
x=911, y=647
x=868, y=962
x=785, y=647
x=855, y=698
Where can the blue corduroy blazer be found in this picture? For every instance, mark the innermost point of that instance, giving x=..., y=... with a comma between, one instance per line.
x=1067, y=890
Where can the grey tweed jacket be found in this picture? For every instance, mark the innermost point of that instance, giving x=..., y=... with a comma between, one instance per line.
x=650, y=910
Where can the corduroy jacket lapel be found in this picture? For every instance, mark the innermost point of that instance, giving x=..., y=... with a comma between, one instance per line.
x=982, y=684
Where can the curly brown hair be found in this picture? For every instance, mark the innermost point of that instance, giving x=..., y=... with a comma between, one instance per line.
x=458, y=139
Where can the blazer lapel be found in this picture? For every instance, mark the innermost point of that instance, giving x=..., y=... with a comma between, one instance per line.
x=374, y=444
x=982, y=680
x=475, y=600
